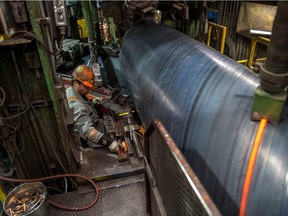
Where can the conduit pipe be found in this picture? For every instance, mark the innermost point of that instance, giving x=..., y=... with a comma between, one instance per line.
x=274, y=74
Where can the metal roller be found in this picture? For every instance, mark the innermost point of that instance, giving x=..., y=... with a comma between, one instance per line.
x=204, y=99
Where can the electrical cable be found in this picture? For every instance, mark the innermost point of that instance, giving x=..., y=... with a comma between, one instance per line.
x=47, y=49
x=27, y=99
x=66, y=186
x=56, y=177
x=15, y=128
x=29, y=34
x=4, y=96
x=28, y=102
x=17, y=115
x=32, y=36
x=5, y=141
x=47, y=136
x=13, y=131
x=14, y=144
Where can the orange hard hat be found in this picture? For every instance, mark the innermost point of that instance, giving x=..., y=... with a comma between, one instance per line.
x=85, y=75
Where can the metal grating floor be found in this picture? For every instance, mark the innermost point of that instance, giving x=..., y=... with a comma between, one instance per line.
x=125, y=200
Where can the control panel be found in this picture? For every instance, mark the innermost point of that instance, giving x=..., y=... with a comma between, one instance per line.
x=60, y=13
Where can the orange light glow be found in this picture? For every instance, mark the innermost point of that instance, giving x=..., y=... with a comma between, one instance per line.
x=124, y=146
x=251, y=165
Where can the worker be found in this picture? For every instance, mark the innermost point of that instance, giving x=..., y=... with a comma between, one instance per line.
x=86, y=119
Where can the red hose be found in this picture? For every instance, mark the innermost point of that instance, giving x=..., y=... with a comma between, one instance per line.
x=60, y=176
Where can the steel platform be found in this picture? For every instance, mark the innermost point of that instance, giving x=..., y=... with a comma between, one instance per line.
x=121, y=197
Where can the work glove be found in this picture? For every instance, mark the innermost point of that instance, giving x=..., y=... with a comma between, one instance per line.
x=111, y=144
x=100, y=100
x=113, y=147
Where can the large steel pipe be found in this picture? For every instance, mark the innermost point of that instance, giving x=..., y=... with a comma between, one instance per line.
x=204, y=100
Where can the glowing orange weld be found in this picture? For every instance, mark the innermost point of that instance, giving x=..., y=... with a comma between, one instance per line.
x=124, y=146
x=251, y=165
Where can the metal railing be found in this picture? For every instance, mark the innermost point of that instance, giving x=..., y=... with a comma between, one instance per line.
x=172, y=186
x=254, y=41
x=222, y=34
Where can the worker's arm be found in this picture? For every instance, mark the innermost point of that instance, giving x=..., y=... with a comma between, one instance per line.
x=84, y=125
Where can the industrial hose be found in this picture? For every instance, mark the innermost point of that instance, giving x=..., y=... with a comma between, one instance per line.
x=60, y=176
x=277, y=56
x=274, y=74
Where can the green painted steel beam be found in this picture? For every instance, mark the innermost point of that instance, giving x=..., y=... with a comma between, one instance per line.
x=34, y=13
x=88, y=20
x=94, y=13
x=90, y=30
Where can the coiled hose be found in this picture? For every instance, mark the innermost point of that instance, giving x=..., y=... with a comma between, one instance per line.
x=56, y=177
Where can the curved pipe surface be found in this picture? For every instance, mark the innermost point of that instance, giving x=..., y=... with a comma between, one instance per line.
x=204, y=100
